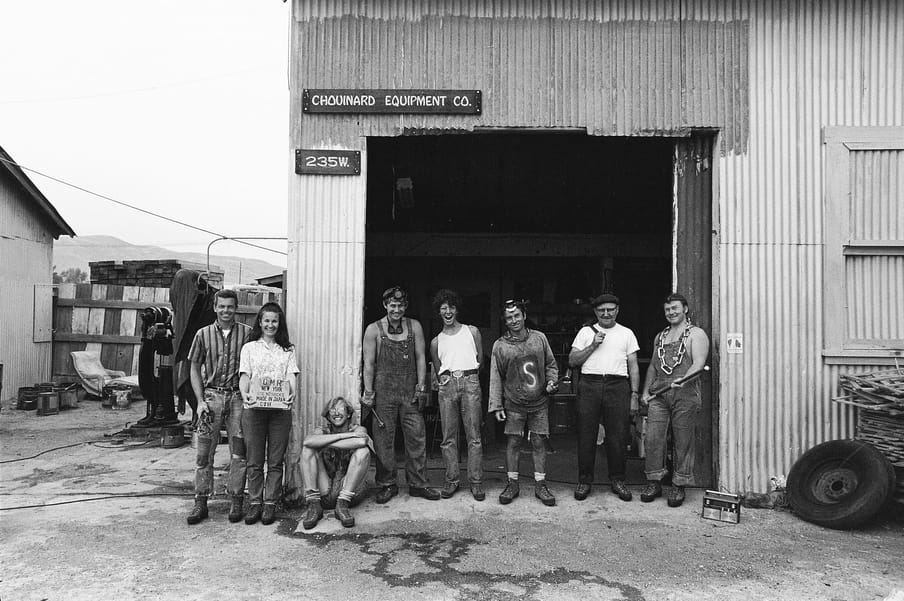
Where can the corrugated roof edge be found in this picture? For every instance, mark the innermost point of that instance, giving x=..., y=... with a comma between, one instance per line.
x=8, y=163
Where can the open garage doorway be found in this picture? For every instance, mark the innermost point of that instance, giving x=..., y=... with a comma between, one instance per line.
x=554, y=218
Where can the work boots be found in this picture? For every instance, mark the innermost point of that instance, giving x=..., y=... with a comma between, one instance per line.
x=449, y=489
x=312, y=514
x=386, y=493
x=511, y=491
x=254, y=513
x=619, y=488
x=235, y=509
x=425, y=492
x=198, y=512
x=676, y=496
x=268, y=515
x=477, y=491
x=541, y=491
x=652, y=490
x=343, y=514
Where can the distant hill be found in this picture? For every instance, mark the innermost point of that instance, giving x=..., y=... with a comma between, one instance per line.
x=79, y=251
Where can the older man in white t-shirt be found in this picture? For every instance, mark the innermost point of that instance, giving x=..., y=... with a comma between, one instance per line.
x=606, y=352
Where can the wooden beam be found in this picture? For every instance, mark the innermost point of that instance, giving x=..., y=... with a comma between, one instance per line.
x=101, y=338
x=423, y=244
x=138, y=305
x=107, y=303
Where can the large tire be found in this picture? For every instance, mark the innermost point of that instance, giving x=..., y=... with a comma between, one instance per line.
x=840, y=484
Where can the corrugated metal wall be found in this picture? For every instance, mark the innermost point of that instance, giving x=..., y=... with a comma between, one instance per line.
x=876, y=214
x=26, y=259
x=620, y=68
x=812, y=65
x=325, y=290
x=768, y=74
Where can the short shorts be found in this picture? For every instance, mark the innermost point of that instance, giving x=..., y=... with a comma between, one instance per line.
x=537, y=422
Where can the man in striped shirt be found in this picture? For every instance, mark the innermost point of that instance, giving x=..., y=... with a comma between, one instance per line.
x=214, y=357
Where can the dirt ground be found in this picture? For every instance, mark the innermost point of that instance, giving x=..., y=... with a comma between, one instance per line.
x=100, y=520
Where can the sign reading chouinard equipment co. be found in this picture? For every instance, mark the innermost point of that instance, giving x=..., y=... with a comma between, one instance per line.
x=451, y=102
x=327, y=162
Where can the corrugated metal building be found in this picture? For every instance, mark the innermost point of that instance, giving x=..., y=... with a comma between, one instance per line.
x=749, y=153
x=28, y=226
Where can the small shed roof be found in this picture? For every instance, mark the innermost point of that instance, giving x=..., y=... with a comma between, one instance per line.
x=61, y=227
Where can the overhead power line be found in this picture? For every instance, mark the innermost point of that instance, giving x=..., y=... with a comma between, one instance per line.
x=139, y=209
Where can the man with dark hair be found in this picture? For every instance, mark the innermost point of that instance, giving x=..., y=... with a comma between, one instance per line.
x=395, y=371
x=606, y=352
x=679, y=355
x=523, y=372
x=334, y=463
x=456, y=354
x=214, y=356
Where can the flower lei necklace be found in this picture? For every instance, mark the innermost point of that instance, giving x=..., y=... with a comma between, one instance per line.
x=682, y=348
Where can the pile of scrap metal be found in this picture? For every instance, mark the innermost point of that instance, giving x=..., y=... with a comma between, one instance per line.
x=845, y=483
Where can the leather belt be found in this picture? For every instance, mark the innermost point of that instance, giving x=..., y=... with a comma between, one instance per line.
x=460, y=373
x=223, y=388
x=604, y=377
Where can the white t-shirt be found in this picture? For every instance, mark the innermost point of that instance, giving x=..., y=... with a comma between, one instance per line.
x=611, y=357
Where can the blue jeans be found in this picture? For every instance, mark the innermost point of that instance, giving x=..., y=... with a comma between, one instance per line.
x=610, y=399
x=461, y=396
x=224, y=407
x=266, y=435
x=681, y=409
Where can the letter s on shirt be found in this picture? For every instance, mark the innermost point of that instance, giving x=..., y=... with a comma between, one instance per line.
x=528, y=369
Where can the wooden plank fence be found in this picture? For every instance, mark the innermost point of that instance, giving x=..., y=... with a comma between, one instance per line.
x=105, y=318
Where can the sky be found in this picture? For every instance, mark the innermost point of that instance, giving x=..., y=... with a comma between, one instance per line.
x=179, y=107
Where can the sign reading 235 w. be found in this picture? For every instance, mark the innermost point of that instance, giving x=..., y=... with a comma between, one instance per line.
x=327, y=162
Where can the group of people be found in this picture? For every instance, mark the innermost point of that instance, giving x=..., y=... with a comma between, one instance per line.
x=227, y=357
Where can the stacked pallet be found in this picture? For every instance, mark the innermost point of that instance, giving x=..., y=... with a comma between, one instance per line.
x=885, y=432
x=876, y=391
x=880, y=397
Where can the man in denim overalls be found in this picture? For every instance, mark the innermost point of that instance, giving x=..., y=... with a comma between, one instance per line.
x=679, y=353
x=395, y=370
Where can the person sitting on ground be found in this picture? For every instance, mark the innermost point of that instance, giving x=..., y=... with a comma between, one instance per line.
x=334, y=463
